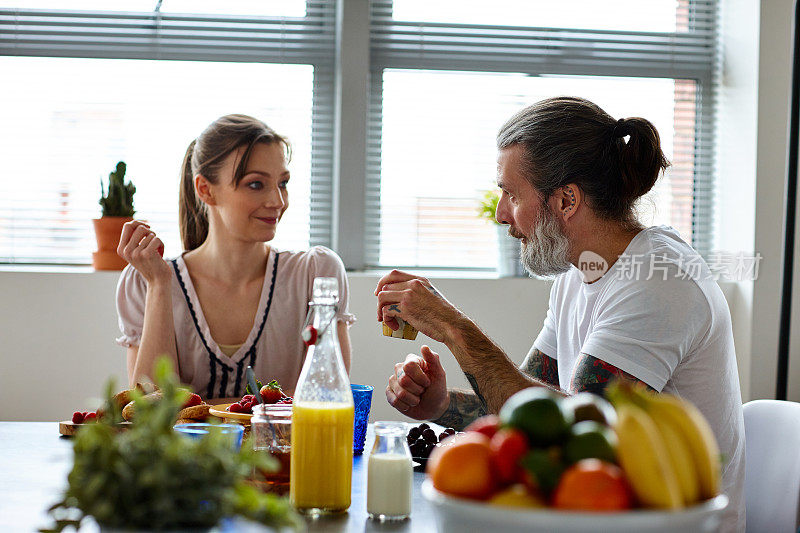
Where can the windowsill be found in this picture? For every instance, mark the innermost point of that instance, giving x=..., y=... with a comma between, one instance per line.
x=369, y=273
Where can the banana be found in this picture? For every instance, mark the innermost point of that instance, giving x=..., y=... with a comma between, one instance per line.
x=680, y=455
x=685, y=418
x=644, y=459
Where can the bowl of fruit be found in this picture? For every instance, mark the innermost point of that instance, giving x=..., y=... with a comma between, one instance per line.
x=649, y=463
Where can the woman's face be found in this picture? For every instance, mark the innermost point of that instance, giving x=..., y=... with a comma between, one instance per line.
x=251, y=210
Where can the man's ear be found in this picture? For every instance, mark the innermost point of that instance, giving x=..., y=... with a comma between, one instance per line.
x=203, y=190
x=568, y=199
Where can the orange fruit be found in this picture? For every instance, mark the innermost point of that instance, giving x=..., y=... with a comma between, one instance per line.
x=593, y=485
x=463, y=468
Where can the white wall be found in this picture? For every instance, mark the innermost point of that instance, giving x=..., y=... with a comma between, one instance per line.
x=58, y=330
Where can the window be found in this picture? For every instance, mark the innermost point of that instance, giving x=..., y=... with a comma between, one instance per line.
x=442, y=77
x=446, y=77
x=68, y=120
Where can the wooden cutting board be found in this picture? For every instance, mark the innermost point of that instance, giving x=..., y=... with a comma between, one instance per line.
x=69, y=429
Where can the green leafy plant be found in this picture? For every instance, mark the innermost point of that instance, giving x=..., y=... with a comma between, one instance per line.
x=152, y=477
x=119, y=201
x=487, y=206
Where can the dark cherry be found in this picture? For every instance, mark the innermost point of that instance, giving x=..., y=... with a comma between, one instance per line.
x=414, y=433
x=418, y=449
x=430, y=436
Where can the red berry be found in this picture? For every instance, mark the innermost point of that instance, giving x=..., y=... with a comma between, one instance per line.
x=488, y=425
x=193, y=400
x=271, y=392
x=248, y=398
x=89, y=416
x=77, y=417
x=235, y=408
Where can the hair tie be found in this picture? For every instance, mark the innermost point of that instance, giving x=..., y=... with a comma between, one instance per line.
x=621, y=129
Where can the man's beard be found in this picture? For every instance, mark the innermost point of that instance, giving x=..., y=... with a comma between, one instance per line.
x=546, y=251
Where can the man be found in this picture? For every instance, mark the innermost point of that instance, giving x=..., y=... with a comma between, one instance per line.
x=627, y=301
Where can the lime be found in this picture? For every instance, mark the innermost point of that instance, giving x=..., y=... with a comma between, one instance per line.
x=590, y=439
x=539, y=413
x=544, y=466
x=588, y=406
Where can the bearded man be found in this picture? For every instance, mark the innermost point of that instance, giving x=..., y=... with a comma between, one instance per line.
x=623, y=304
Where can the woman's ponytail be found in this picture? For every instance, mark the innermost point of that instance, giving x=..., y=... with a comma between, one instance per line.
x=641, y=160
x=193, y=219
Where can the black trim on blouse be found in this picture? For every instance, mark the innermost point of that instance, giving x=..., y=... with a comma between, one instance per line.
x=213, y=360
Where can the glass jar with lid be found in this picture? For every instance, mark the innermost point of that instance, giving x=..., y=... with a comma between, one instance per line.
x=389, y=473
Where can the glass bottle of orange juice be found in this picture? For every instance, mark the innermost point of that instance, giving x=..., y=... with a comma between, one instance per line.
x=322, y=415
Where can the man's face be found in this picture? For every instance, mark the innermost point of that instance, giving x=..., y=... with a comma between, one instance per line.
x=545, y=247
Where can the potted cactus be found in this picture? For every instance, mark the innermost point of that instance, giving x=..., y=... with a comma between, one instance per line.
x=117, y=210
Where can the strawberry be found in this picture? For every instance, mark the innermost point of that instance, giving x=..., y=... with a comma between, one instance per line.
x=236, y=408
x=248, y=398
x=89, y=416
x=193, y=400
x=77, y=417
x=271, y=392
x=488, y=425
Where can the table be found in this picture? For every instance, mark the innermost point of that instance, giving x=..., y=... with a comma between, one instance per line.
x=35, y=461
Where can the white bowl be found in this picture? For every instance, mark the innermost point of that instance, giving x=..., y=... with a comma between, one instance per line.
x=458, y=514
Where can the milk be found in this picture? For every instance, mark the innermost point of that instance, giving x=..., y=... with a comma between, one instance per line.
x=389, y=485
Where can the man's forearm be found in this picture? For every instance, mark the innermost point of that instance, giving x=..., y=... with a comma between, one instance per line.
x=492, y=375
x=464, y=407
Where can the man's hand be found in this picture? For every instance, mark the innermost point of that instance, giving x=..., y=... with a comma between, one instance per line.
x=416, y=301
x=418, y=387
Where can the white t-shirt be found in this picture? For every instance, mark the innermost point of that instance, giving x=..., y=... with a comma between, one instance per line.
x=671, y=331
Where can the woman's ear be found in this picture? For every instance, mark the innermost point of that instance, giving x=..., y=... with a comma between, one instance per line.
x=203, y=190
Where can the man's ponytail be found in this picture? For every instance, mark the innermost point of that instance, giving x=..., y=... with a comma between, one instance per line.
x=641, y=160
x=193, y=219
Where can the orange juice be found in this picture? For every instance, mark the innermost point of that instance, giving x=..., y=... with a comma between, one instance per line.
x=322, y=456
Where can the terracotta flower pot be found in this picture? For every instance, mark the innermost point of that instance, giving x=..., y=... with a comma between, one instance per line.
x=107, y=230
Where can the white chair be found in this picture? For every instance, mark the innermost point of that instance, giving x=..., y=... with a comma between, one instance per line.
x=772, y=472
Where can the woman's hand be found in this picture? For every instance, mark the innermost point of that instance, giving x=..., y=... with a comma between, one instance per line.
x=139, y=246
x=416, y=301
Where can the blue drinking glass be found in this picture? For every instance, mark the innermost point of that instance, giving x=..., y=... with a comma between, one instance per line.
x=200, y=429
x=362, y=401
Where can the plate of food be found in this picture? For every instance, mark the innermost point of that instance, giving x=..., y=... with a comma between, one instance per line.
x=194, y=410
x=423, y=439
x=242, y=410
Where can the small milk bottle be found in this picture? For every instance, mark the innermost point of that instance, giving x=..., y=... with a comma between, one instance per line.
x=322, y=415
x=389, y=473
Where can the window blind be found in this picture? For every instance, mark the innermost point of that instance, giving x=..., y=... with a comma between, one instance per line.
x=586, y=58
x=39, y=216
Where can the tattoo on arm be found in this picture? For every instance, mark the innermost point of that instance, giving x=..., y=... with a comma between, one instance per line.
x=474, y=384
x=593, y=375
x=463, y=409
x=541, y=366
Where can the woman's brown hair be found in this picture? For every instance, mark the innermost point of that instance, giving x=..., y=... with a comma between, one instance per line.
x=205, y=156
x=572, y=140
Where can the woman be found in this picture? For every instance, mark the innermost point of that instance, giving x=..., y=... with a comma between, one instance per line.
x=230, y=300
